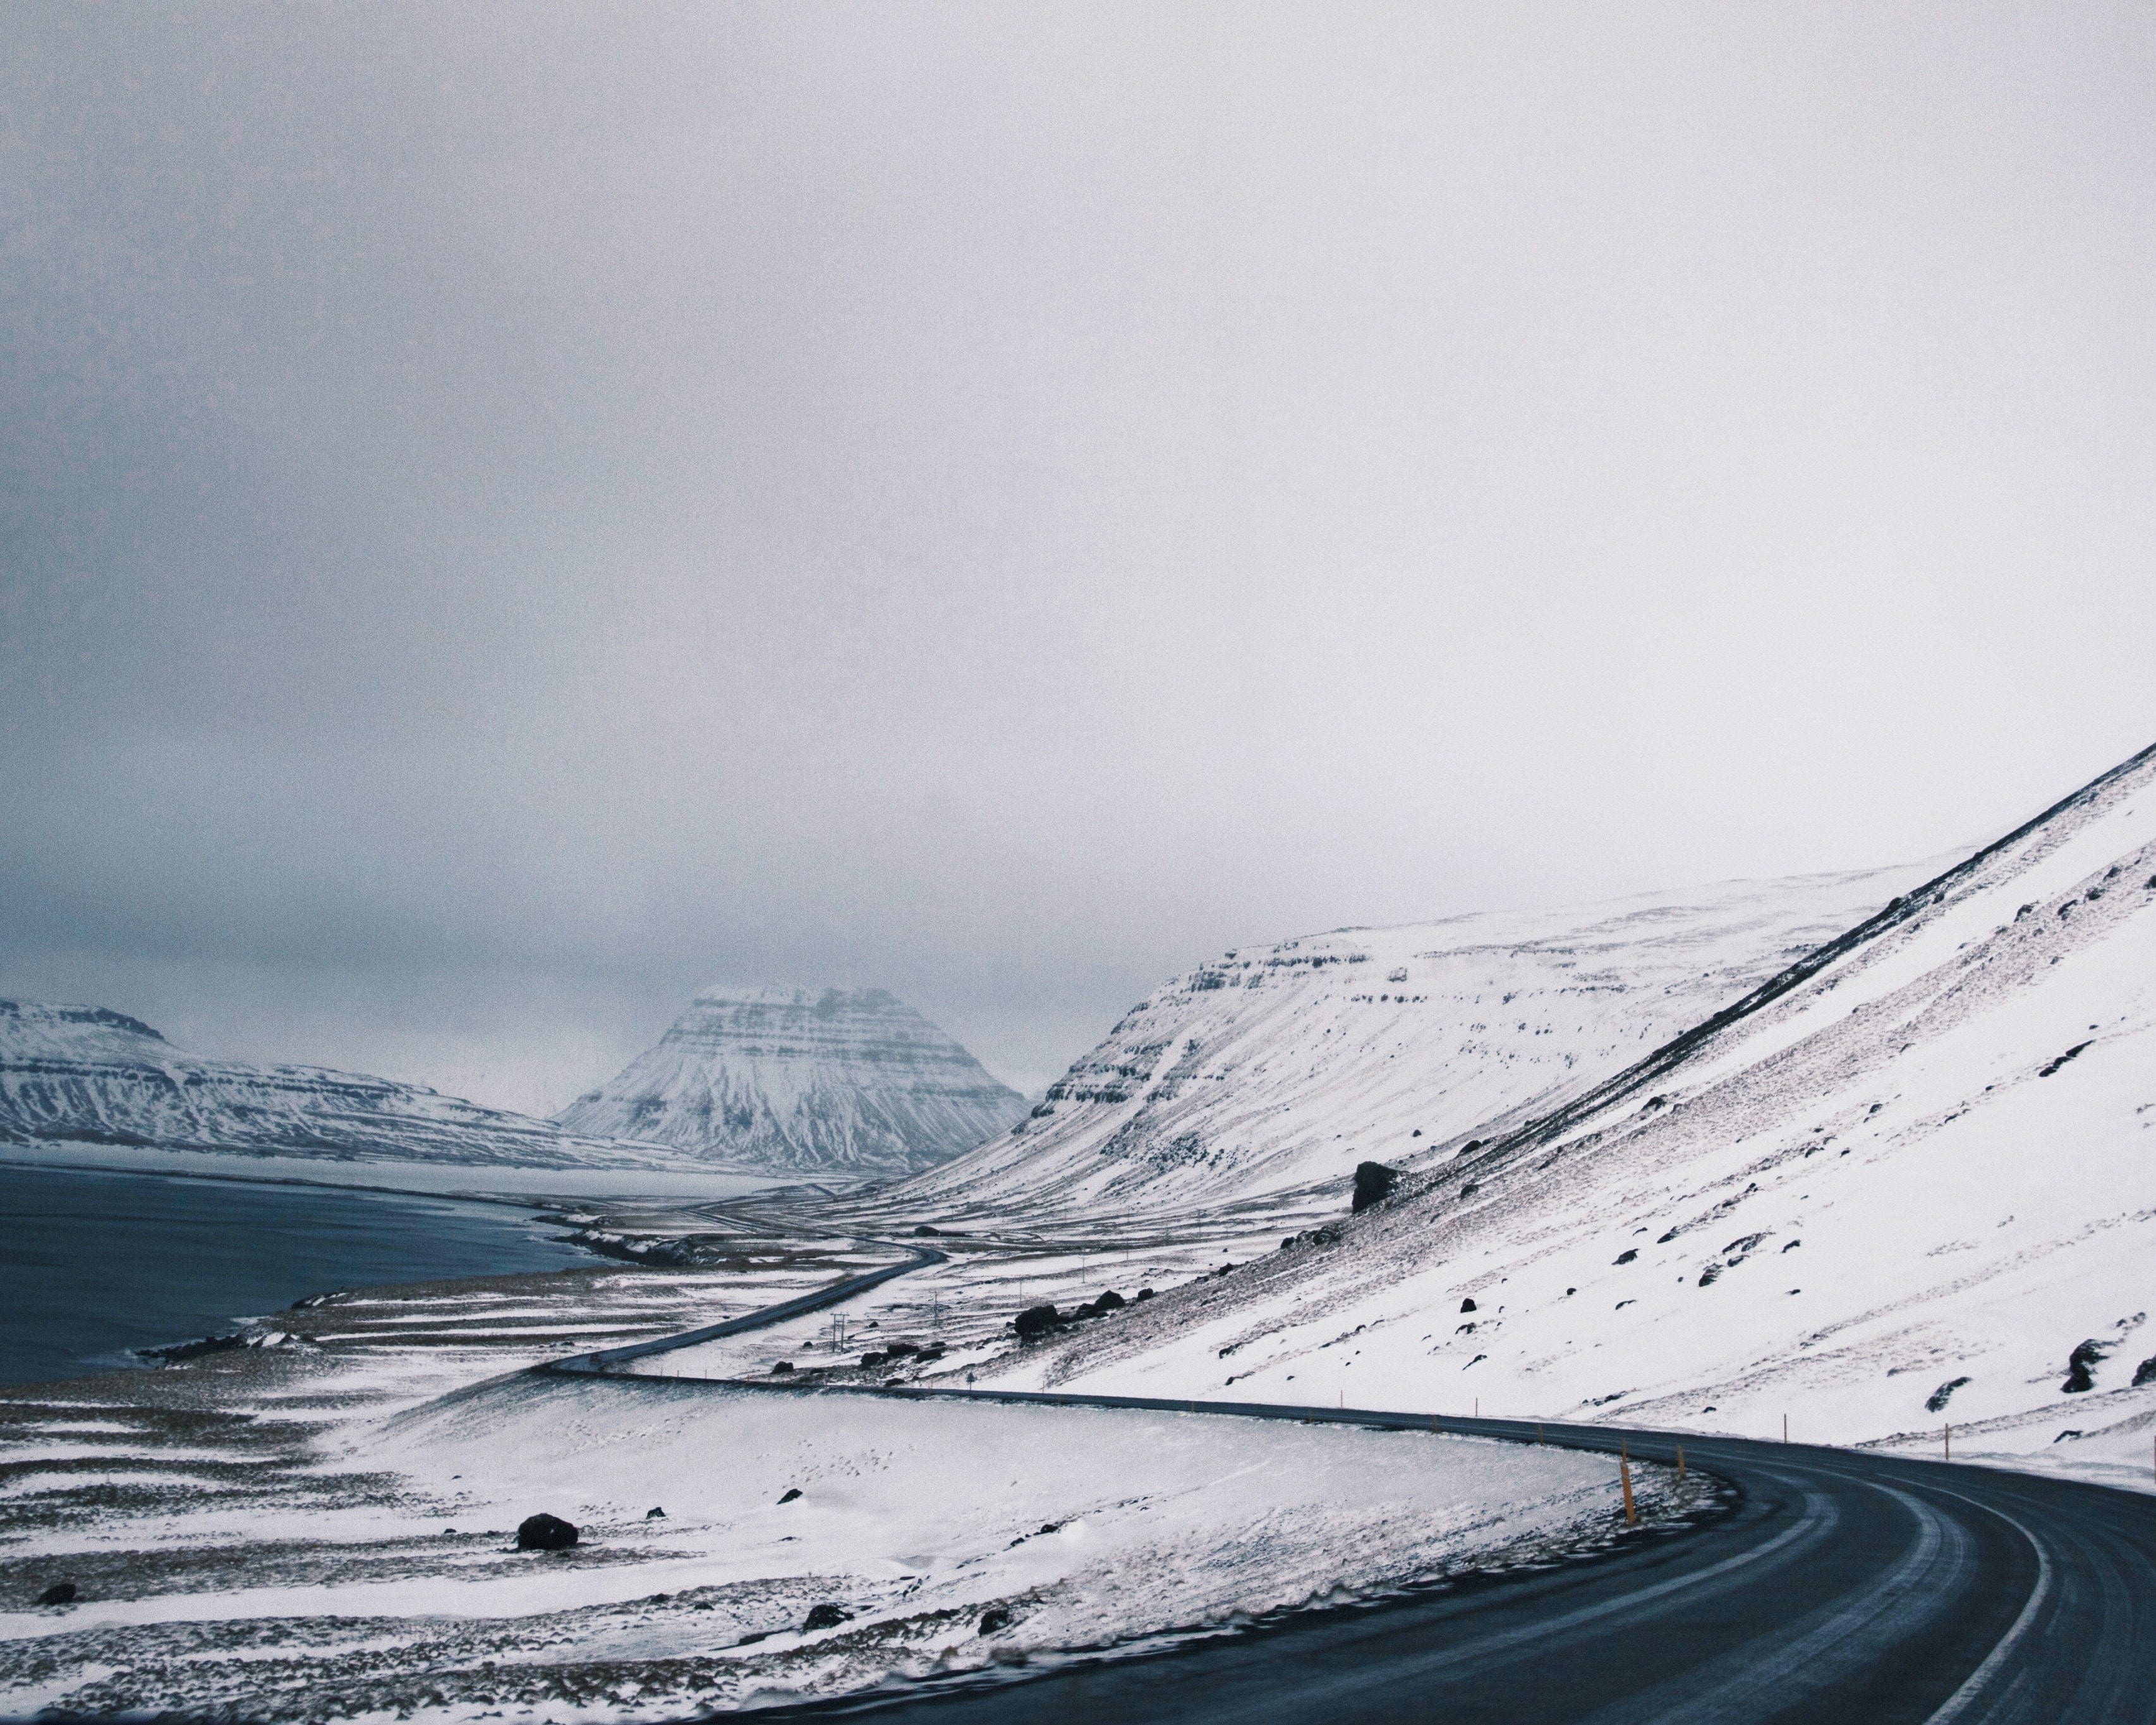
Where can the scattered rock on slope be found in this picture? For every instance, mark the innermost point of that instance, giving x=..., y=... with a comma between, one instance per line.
x=1374, y=1184
x=544, y=1533
x=2081, y=1364
x=1936, y=1402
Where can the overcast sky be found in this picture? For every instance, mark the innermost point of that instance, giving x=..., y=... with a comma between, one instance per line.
x=511, y=513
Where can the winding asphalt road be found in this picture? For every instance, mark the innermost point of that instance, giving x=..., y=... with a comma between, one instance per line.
x=1835, y=1587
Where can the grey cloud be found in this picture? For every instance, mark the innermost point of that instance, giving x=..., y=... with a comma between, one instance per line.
x=551, y=507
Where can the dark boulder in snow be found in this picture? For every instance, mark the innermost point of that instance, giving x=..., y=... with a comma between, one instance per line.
x=1626, y=1257
x=872, y=1359
x=2046, y=1071
x=2079, y=1364
x=784, y=1365
x=60, y=1593
x=1374, y=1184
x=2145, y=1373
x=1109, y=1301
x=1037, y=1321
x=928, y=1230
x=825, y=1615
x=544, y=1533
x=791, y=1492
x=1936, y=1402
x=1145, y=1293
x=995, y=1620
x=1468, y=1304
x=654, y=1514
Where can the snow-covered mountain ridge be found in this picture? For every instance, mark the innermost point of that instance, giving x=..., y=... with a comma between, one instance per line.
x=1910, y=1179
x=775, y=1080
x=1273, y=1070
x=88, y=1074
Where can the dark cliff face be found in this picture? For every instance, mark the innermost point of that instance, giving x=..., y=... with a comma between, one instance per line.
x=799, y=1080
x=88, y=1074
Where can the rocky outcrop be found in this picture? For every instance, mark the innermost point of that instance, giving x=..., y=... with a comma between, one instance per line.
x=1374, y=1184
x=88, y=1074
x=800, y=1081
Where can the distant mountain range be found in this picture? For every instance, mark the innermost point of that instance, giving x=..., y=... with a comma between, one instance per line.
x=830, y=1081
x=87, y=1074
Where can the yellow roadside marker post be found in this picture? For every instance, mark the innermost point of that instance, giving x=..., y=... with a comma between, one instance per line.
x=1625, y=1474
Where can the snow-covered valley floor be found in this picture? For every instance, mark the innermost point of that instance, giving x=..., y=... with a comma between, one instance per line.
x=266, y=1532
x=378, y=1577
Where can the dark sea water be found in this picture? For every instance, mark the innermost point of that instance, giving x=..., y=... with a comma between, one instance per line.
x=92, y=1264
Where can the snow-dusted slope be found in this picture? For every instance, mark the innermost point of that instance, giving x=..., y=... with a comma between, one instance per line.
x=1275, y=1069
x=838, y=1081
x=89, y=1075
x=1911, y=1180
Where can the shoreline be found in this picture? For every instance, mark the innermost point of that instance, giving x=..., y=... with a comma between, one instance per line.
x=285, y=1174
x=98, y=1323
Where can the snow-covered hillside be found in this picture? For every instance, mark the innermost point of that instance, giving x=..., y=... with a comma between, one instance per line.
x=837, y=1081
x=1276, y=1068
x=87, y=1075
x=1910, y=1181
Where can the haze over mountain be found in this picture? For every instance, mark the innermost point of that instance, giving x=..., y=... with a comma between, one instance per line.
x=86, y=1075
x=1907, y=1180
x=848, y=1081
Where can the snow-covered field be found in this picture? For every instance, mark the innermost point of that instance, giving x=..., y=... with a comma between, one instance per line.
x=955, y=1537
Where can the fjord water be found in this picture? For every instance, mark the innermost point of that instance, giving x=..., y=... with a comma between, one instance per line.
x=93, y=1264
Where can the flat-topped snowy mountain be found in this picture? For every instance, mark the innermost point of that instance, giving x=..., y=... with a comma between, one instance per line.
x=1276, y=1068
x=848, y=1081
x=86, y=1075
x=1910, y=1180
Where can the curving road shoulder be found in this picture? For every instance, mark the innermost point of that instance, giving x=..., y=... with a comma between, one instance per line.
x=1840, y=1588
